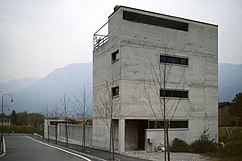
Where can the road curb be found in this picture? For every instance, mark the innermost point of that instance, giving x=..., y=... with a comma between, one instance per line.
x=86, y=155
x=70, y=150
x=4, y=148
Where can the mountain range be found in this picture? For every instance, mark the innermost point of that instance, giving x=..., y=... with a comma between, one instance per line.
x=34, y=94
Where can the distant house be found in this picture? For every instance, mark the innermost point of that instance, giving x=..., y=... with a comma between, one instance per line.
x=224, y=115
x=6, y=121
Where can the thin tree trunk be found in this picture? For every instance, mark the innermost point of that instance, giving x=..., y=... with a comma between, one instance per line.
x=112, y=142
x=167, y=139
x=66, y=135
x=48, y=133
x=84, y=137
x=56, y=126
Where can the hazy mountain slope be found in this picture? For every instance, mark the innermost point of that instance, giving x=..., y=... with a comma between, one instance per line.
x=16, y=85
x=230, y=81
x=34, y=94
x=68, y=80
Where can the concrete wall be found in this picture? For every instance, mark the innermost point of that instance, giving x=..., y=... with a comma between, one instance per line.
x=101, y=134
x=75, y=133
x=157, y=136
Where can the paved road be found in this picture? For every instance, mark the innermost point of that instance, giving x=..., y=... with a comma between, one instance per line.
x=22, y=148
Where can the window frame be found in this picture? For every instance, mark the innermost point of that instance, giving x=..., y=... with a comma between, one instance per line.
x=177, y=123
x=114, y=55
x=176, y=60
x=172, y=124
x=115, y=91
x=183, y=94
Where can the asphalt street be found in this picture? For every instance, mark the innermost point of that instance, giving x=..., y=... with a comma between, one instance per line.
x=23, y=148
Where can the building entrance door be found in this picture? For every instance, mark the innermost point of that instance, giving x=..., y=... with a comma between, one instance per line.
x=142, y=125
x=135, y=134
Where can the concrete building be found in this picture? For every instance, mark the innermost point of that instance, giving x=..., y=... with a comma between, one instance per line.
x=124, y=62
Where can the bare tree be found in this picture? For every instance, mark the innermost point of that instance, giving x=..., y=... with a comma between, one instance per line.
x=160, y=77
x=109, y=109
x=65, y=114
x=45, y=111
x=82, y=108
x=55, y=113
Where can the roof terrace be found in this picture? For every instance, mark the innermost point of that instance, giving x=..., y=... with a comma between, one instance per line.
x=100, y=37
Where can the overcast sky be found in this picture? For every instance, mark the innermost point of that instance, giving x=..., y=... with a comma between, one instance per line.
x=38, y=36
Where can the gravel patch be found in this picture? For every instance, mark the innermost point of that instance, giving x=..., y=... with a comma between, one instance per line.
x=159, y=156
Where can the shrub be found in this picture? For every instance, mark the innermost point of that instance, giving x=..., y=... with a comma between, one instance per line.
x=22, y=129
x=233, y=145
x=203, y=144
x=179, y=145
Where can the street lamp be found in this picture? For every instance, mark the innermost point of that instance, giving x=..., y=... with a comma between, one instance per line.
x=2, y=111
x=6, y=107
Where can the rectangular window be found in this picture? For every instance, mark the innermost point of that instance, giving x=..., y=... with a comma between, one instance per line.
x=174, y=93
x=152, y=125
x=114, y=56
x=183, y=61
x=173, y=60
x=178, y=124
x=156, y=124
x=171, y=124
x=156, y=21
x=115, y=91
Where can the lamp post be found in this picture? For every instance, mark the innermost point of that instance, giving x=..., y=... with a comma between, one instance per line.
x=2, y=111
x=6, y=107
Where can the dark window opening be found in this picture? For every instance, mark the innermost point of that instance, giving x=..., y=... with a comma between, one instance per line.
x=115, y=91
x=156, y=124
x=156, y=21
x=178, y=124
x=183, y=61
x=173, y=60
x=171, y=124
x=114, y=56
x=174, y=93
x=151, y=124
x=159, y=124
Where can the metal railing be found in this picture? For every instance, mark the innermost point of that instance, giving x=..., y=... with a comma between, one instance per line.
x=99, y=39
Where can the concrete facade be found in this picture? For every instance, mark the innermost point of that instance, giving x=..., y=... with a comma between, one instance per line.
x=139, y=45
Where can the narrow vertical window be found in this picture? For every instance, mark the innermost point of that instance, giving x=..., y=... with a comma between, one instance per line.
x=114, y=56
x=115, y=91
